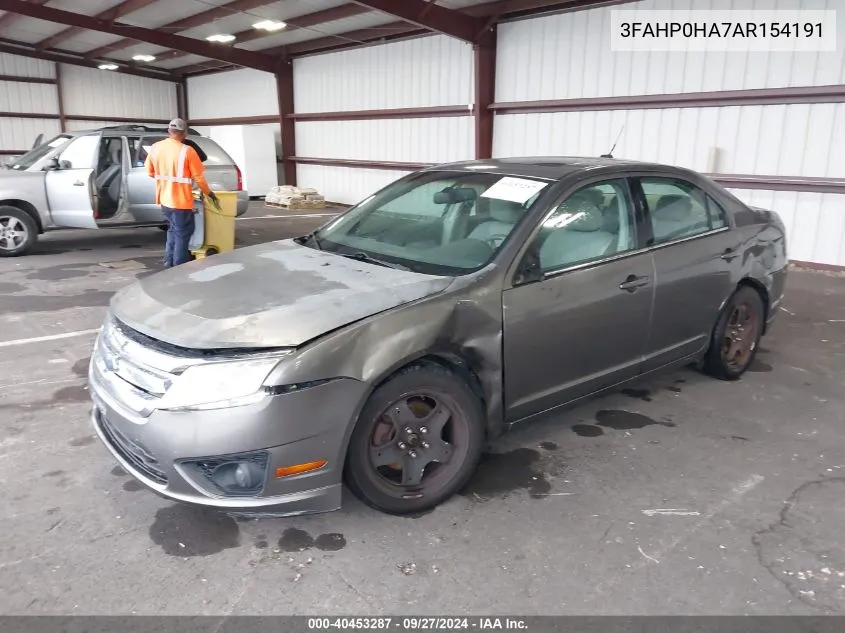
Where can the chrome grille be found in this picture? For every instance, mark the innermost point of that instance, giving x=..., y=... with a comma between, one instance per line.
x=133, y=452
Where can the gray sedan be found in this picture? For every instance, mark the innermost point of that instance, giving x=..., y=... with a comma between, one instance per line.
x=386, y=348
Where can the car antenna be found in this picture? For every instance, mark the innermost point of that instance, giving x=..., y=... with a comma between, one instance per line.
x=610, y=153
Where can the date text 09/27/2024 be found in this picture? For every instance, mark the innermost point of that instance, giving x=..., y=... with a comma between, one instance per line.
x=417, y=624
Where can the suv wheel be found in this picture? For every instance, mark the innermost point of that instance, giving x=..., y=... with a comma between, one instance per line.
x=18, y=232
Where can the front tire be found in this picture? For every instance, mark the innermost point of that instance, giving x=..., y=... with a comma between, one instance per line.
x=417, y=442
x=18, y=232
x=736, y=336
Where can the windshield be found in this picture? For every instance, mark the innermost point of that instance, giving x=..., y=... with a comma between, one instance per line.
x=34, y=155
x=433, y=222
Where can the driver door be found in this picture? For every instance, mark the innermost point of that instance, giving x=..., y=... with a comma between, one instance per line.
x=71, y=195
x=578, y=322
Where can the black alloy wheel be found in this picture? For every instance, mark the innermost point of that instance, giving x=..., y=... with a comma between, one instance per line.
x=736, y=337
x=417, y=442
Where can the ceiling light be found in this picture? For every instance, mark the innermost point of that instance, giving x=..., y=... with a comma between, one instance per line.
x=144, y=58
x=270, y=25
x=223, y=38
x=107, y=66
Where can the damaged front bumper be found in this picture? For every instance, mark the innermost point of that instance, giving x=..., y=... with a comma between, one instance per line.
x=240, y=459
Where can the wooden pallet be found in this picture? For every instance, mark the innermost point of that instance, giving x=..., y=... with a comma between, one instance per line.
x=306, y=205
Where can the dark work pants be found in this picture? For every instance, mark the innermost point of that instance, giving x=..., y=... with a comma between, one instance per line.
x=179, y=231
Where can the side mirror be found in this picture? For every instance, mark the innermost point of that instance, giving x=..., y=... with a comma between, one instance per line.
x=529, y=270
x=52, y=164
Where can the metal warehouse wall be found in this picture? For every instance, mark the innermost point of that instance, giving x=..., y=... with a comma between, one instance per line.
x=32, y=90
x=94, y=93
x=426, y=72
x=238, y=93
x=17, y=133
x=568, y=56
x=210, y=99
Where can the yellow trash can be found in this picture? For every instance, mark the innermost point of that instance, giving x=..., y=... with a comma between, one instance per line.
x=214, y=228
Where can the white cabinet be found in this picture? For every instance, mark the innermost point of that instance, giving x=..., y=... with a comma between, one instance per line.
x=253, y=148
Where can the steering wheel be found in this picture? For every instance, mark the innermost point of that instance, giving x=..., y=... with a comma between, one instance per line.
x=495, y=241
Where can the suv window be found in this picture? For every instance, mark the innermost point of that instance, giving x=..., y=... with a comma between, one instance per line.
x=139, y=147
x=679, y=209
x=81, y=152
x=594, y=222
x=37, y=153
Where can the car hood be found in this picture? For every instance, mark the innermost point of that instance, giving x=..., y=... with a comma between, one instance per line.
x=278, y=294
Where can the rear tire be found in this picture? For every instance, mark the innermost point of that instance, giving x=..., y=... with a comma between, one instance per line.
x=401, y=472
x=18, y=232
x=736, y=336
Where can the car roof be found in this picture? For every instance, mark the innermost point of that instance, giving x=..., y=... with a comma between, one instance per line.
x=120, y=130
x=554, y=167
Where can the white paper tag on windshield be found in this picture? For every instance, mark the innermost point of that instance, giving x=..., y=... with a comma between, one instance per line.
x=514, y=189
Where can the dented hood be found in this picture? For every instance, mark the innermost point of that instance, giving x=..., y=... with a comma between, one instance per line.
x=278, y=294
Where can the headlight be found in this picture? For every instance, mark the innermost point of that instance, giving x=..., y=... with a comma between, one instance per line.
x=219, y=385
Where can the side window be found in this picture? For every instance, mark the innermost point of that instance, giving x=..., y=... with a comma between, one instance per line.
x=135, y=151
x=144, y=145
x=679, y=209
x=718, y=217
x=594, y=222
x=81, y=152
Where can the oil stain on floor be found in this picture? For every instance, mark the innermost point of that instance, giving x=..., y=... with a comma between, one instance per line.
x=587, y=430
x=619, y=420
x=639, y=394
x=758, y=366
x=188, y=532
x=76, y=393
x=295, y=540
x=82, y=441
x=500, y=474
x=80, y=367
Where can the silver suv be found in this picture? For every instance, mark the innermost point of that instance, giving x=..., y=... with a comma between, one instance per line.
x=95, y=179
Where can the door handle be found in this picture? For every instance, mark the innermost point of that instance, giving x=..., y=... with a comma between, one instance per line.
x=633, y=282
x=78, y=183
x=729, y=255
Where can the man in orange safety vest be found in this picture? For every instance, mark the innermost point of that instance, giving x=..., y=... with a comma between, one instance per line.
x=175, y=166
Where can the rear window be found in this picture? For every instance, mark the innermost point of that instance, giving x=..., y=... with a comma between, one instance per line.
x=216, y=155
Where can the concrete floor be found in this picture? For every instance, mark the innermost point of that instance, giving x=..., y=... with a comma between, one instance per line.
x=683, y=495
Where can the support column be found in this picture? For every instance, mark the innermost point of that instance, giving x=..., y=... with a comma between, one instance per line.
x=182, y=100
x=484, y=56
x=284, y=87
x=59, y=99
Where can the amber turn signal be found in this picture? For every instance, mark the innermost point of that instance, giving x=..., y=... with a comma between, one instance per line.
x=298, y=469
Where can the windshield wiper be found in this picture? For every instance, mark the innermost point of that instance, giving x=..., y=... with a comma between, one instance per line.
x=312, y=237
x=364, y=257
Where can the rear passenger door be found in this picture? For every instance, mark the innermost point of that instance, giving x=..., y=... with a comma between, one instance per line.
x=694, y=252
x=142, y=190
x=576, y=319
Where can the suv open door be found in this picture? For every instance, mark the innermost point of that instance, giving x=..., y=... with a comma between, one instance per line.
x=71, y=195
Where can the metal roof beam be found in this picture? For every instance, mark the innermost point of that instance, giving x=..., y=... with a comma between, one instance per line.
x=241, y=57
x=430, y=16
x=300, y=22
x=7, y=18
x=193, y=21
x=124, y=8
x=15, y=48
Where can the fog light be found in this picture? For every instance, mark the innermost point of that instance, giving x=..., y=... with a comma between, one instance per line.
x=232, y=475
x=238, y=476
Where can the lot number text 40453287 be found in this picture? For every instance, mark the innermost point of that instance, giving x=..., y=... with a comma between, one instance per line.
x=417, y=623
